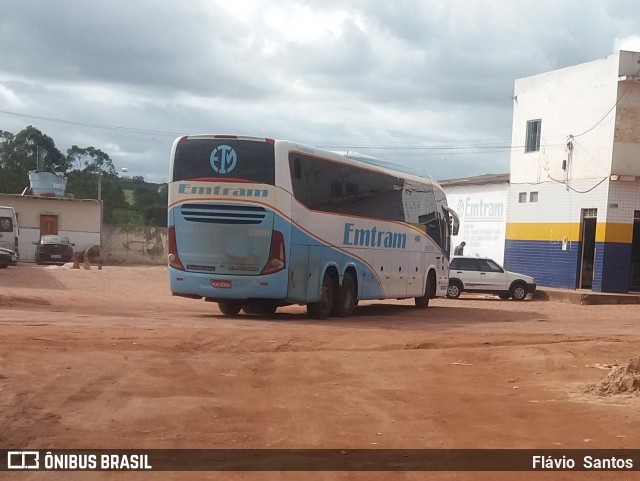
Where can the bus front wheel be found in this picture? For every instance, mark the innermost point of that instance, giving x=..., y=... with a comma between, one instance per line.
x=322, y=308
x=429, y=292
x=230, y=308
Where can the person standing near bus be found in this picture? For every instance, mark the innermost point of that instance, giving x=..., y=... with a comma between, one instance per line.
x=459, y=250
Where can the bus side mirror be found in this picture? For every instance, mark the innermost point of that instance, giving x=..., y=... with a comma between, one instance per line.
x=454, y=220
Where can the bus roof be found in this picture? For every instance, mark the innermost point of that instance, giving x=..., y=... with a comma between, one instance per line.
x=348, y=155
x=386, y=164
x=390, y=167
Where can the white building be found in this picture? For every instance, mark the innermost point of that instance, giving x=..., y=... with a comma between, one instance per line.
x=481, y=204
x=573, y=217
x=78, y=219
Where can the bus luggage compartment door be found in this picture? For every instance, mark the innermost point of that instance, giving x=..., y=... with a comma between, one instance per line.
x=298, y=273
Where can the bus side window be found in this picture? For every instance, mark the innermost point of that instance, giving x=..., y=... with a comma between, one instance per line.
x=297, y=168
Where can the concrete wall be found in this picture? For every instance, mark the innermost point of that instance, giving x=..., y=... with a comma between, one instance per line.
x=626, y=147
x=570, y=101
x=133, y=244
x=544, y=237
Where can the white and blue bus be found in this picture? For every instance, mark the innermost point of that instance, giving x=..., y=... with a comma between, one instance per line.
x=256, y=223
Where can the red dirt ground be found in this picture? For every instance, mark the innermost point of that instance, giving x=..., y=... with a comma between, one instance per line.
x=108, y=359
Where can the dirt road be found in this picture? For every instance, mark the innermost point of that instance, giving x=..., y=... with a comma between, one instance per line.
x=108, y=359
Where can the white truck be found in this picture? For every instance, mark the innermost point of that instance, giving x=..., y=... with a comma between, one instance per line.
x=9, y=229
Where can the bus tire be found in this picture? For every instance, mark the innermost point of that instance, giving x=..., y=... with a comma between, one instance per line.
x=322, y=308
x=429, y=292
x=346, y=298
x=230, y=308
x=265, y=308
x=422, y=302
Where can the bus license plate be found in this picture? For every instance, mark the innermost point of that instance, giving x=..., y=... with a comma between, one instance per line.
x=221, y=284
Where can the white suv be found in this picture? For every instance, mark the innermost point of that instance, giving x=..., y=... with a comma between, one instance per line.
x=474, y=274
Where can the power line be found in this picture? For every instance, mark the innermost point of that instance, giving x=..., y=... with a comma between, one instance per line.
x=482, y=147
x=94, y=125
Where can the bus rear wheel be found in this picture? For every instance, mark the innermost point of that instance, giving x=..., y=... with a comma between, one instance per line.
x=322, y=308
x=264, y=308
x=230, y=308
x=346, y=299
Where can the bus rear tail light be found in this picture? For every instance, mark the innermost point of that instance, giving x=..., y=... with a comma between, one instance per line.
x=276, y=261
x=174, y=260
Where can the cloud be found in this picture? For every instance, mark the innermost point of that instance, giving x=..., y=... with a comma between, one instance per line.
x=629, y=42
x=398, y=79
x=9, y=98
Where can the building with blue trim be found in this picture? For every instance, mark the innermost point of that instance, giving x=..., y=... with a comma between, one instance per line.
x=573, y=215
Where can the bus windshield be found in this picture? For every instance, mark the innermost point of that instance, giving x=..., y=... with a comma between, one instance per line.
x=224, y=159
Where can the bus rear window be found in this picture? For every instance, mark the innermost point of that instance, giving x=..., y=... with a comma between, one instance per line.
x=225, y=159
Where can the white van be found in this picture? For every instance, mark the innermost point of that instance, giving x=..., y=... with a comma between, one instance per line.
x=9, y=229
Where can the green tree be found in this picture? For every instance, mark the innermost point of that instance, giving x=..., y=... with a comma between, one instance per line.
x=90, y=159
x=156, y=215
x=85, y=167
x=39, y=145
x=152, y=202
x=83, y=184
x=19, y=154
x=94, y=175
x=12, y=165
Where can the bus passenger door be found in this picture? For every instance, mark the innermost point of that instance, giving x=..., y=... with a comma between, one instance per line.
x=442, y=275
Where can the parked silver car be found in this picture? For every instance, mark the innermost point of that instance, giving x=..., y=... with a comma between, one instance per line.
x=474, y=274
x=7, y=258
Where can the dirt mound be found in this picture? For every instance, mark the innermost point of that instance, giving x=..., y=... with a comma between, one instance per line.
x=623, y=379
x=7, y=300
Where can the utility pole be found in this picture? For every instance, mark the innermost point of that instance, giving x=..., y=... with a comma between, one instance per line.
x=99, y=184
x=101, y=207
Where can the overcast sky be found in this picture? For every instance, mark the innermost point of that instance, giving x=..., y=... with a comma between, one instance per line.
x=427, y=83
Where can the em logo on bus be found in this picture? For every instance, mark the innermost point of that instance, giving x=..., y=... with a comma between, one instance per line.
x=223, y=159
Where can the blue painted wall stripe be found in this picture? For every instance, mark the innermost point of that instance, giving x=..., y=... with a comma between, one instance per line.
x=553, y=267
x=545, y=261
